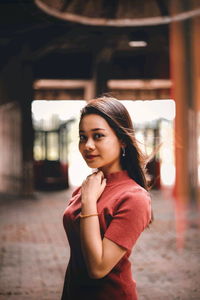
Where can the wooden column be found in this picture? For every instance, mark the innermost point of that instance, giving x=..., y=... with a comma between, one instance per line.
x=196, y=88
x=11, y=151
x=180, y=95
x=178, y=57
x=26, y=91
x=184, y=70
x=16, y=134
x=101, y=72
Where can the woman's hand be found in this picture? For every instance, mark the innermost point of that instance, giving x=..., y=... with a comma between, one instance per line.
x=93, y=187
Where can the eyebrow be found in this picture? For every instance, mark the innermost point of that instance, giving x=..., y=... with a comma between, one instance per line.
x=94, y=129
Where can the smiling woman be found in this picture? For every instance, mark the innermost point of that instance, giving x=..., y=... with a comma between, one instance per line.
x=109, y=211
x=99, y=144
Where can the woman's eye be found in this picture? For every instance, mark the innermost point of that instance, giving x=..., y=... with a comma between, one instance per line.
x=82, y=138
x=98, y=135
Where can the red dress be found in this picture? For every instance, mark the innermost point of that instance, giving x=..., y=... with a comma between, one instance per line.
x=124, y=211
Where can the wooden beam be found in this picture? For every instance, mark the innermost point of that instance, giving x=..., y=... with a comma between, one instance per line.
x=60, y=84
x=123, y=22
x=132, y=84
x=63, y=84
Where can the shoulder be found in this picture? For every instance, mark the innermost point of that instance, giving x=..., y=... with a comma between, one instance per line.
x=136, y=192
x=75, y=194
x=76, y=191
x=134, y=197
x=131, y=189
x=131, y=215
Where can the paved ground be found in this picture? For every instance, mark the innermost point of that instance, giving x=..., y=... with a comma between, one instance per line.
x=34, y=251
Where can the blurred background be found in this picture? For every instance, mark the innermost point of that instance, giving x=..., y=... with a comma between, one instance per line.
x=55, y=56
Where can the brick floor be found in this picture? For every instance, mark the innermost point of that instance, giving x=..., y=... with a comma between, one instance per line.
x=34, y=251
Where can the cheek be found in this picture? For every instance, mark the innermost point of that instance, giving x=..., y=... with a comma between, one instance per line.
x=113, y=146
x=80, y=147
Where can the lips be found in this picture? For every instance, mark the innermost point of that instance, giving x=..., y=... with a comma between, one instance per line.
x=89, y=156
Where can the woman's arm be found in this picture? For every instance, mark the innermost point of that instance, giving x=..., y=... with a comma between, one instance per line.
x=100, y=255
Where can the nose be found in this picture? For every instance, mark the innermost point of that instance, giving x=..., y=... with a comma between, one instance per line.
x=89, y=145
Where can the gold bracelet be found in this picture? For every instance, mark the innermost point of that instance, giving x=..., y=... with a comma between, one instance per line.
x=86, y=216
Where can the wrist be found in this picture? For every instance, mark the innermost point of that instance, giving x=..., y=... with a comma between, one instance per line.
x=88, y=216
x=88, y=208
x=88, y=200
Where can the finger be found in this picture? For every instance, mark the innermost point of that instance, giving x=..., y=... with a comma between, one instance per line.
x=83, y=183
x=95, y=172
x=103, y=184
x=89, y=176
x=104, y=181
x=100, y=173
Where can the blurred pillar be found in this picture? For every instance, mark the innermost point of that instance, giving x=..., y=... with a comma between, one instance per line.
x=196, y=88
x=182, y=72
x=10, y=152
x=16, y=134
x=26, y=91
x=101, y=72
x=179, y=94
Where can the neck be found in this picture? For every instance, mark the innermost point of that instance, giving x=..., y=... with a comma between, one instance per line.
x=110, y=171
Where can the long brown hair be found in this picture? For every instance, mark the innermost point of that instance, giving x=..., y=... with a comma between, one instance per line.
x=118, y=118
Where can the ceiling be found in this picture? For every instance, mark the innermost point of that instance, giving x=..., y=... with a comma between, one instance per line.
x=47, y=34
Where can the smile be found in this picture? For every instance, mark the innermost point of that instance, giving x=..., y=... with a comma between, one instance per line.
x=90, y=157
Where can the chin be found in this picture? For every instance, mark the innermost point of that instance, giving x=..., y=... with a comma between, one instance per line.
x=95, y=166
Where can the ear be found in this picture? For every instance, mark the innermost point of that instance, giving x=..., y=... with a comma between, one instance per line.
x=123, y=144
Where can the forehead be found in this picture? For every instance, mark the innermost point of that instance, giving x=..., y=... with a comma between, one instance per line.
x=93, y=121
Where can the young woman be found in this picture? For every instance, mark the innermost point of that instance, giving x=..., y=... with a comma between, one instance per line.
x=107, y=214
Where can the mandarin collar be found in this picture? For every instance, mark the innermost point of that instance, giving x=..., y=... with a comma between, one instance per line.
x=116, y=177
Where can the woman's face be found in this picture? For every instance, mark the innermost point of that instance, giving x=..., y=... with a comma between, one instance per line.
x=99, y=145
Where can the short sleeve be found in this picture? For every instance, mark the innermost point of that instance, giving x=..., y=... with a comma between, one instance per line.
x=132, y=214
x=76, y=191
x=75, y=194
